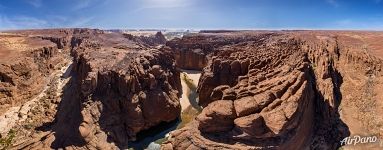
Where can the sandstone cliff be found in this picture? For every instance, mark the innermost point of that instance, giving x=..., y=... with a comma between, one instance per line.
x=258, y=89
x=26, y=64
x=280, y=90
x=193, y=50
x=124, y=91
x=119, y=86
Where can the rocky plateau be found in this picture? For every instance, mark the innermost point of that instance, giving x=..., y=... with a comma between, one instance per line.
x=92, y=89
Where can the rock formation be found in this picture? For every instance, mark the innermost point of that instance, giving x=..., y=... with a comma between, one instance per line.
x=151, y=40
x=121, y=85
x=126, y=90
x=280, y=90
x=258, y=89
x=255, y=92
x=192, y=50
x=26, y=64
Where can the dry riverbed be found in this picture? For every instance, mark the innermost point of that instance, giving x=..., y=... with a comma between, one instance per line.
x=190, y=109
x=22, y=118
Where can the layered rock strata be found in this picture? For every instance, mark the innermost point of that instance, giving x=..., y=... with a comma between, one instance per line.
x=26, y=64
x=280, y=90
x=258, y=89
x=259, y=93
x=125, y=90
x=193, y=50
x=119, y=85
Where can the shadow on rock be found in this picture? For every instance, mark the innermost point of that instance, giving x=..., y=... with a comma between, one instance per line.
x=329, y=129
x=65, y=127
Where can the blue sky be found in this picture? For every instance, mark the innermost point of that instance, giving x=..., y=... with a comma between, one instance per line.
x=193, y=14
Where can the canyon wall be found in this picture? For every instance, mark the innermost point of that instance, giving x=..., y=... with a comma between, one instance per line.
x=280, y=90
x=258, y=89
x=119, y=85
x=193, y=51
x=124, y=91
x=26, y=64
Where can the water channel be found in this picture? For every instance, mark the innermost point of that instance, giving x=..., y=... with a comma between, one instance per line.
x=152, y=138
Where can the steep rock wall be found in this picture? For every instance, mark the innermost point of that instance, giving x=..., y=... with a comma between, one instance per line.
x=126, y=91
x=194, y=51
x=252, y=98
x=279, y=92
x=117, y=87
x=24, y=75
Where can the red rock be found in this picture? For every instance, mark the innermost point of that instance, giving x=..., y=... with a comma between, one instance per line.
x=271, y=83
x=253, y=124
x=220, y=113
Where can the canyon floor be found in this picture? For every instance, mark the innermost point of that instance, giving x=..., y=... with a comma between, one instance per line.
x=95, y=89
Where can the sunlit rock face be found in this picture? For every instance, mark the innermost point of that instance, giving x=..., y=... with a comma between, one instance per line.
x=278, y=90
x=27, y=63
x=120, y=85
x=92, y=89
x=127, y=85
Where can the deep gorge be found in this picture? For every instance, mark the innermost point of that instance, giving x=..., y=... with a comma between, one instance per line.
x=257, y=90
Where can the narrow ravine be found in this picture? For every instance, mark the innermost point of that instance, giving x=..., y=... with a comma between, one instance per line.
x=152, y=138
x=189, y=82
x=18, y=114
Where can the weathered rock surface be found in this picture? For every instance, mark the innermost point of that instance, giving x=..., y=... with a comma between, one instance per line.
x=121, y=85
x=251, y=97
x=125, y=86
x=217, y=117
x=258, y=89
x=193, y=50
x=279, y=90
x=26, y=64
x=150, y=40
x=138, y=87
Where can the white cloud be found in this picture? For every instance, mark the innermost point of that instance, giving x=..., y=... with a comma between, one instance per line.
x=162, y=4
x=29, y=21
x=21, y=22
x=26, y=22
x=35, y=3
x=367, y=24
x=5, y=23
x=81, y=22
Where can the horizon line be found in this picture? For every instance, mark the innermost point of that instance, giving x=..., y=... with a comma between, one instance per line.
x=200, y=29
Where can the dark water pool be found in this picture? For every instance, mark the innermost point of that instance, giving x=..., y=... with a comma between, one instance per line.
x=153, y=136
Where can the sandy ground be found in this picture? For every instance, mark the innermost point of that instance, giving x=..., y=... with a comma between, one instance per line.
x=11, y=45
x=141, y=33
x=193, y=75
x=361, y=109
